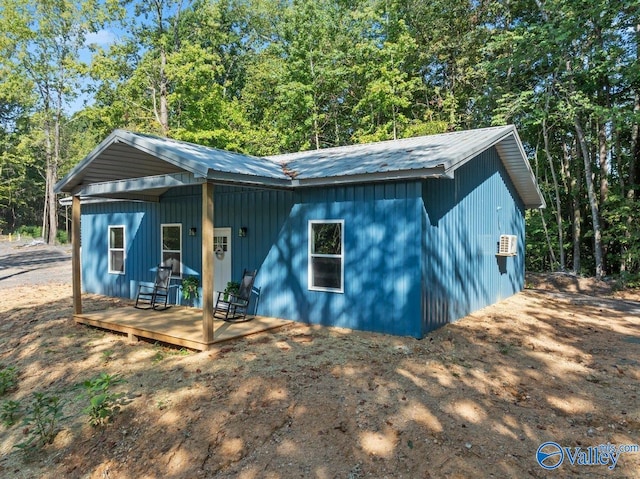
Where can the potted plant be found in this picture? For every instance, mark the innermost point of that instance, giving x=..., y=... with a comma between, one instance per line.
x=232, y=288
x=190, y=291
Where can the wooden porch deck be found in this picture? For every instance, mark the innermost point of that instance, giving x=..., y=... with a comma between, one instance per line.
x=177, y=325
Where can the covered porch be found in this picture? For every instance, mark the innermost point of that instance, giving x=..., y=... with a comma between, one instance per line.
x=140, y=168
x=178, y=325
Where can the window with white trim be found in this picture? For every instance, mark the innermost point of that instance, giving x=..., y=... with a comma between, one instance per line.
x=116, y=249
x=326, y=255
x=172, y=247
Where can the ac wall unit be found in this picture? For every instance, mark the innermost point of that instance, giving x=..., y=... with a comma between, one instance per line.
x=507, y=245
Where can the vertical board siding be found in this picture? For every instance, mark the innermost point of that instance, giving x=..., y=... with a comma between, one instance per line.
x=262, y=212
x=382, y=282
x=418, y=254
x=463, y=221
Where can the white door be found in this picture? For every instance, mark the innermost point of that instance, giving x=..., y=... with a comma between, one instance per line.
x=221, y=258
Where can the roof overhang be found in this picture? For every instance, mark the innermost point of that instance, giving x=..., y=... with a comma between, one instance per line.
x=509, y=147
x=519, y=170
x=135, y=167
x=127, y=161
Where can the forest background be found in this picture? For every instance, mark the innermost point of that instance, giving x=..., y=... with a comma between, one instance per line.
x=271, y=76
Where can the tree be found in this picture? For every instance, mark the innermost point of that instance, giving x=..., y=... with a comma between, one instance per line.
x=563, y=71
x=41, y=55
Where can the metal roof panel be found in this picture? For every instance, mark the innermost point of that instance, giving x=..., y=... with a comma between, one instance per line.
x=127, y=155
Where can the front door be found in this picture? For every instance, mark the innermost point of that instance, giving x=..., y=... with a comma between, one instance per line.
x=222, y=258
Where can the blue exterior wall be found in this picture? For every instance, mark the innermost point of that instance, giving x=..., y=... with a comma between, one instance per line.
x=142, y=240
x=382, y=283
x=463, y=220
x=262, y=212
x=418, y=254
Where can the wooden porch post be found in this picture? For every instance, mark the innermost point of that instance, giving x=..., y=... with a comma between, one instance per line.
x=75, y=255
x=207, y=261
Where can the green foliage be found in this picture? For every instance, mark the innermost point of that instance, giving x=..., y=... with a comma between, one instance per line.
x=8, y=379
x=190, y=285
x=107, y=355
x=266, y=76
x=10, y=412
x=232, y=288
x=622, y=236
x=62, y=237
x=103, y=403
x=41, y=421
x=327, y=238
x=30, y=231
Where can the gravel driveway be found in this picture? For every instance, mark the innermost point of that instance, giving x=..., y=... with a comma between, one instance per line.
x=29, y=261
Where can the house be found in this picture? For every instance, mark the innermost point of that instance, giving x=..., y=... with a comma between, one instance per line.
x=397, y=237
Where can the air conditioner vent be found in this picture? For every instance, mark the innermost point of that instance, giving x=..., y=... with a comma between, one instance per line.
x=507, y=245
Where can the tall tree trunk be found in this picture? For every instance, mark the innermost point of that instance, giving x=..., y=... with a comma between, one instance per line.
x=48, y=187
x=52, y=229
x=552, y=255
x=45, y=208
x=573, y=188
x=634, y=161
x=164, y=94
x=316, y=126
x=593, y=200
x=603, y=162
x=556, y=190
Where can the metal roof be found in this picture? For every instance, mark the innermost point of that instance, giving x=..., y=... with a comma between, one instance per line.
x=129, y=156
x=126, y=155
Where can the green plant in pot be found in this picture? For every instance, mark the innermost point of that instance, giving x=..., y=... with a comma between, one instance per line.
x=232, y=288
x=190, y=291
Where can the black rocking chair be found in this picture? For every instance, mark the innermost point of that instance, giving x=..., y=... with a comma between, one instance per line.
x=156, y=296
x=233, y=306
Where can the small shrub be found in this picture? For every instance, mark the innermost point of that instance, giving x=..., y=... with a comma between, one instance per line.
x=8, y=379
x=41, y=419
x=62, y=237
x=32, y=231
x=103, y=403
x=10, y=412
x=107, y=355
x=505, y=348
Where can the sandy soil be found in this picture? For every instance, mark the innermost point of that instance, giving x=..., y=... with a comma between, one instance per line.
x=473, y=399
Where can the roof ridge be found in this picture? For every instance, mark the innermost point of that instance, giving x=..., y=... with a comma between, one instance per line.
x=382, y=142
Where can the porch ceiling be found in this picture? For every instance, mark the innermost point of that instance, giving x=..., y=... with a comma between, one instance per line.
x=119, y=161
x=124, y=155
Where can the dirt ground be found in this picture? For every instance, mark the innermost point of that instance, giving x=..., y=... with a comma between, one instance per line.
x=558, y=362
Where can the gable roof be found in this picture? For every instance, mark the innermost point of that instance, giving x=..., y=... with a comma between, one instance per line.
x=127, y=161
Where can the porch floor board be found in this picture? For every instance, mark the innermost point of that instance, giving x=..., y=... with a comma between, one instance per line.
x=179, y=326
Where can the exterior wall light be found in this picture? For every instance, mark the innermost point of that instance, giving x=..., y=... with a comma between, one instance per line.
x=242, y=232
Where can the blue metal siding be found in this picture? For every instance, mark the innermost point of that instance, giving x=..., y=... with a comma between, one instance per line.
x=262, y=212
x=463, y=220
x=418, y=254
x=382, y=283
x=96, y=218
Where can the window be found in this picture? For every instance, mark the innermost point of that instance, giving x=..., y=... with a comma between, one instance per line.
x=172, y=247
x=116, y=249
x=326, y=255
x=220, y=246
